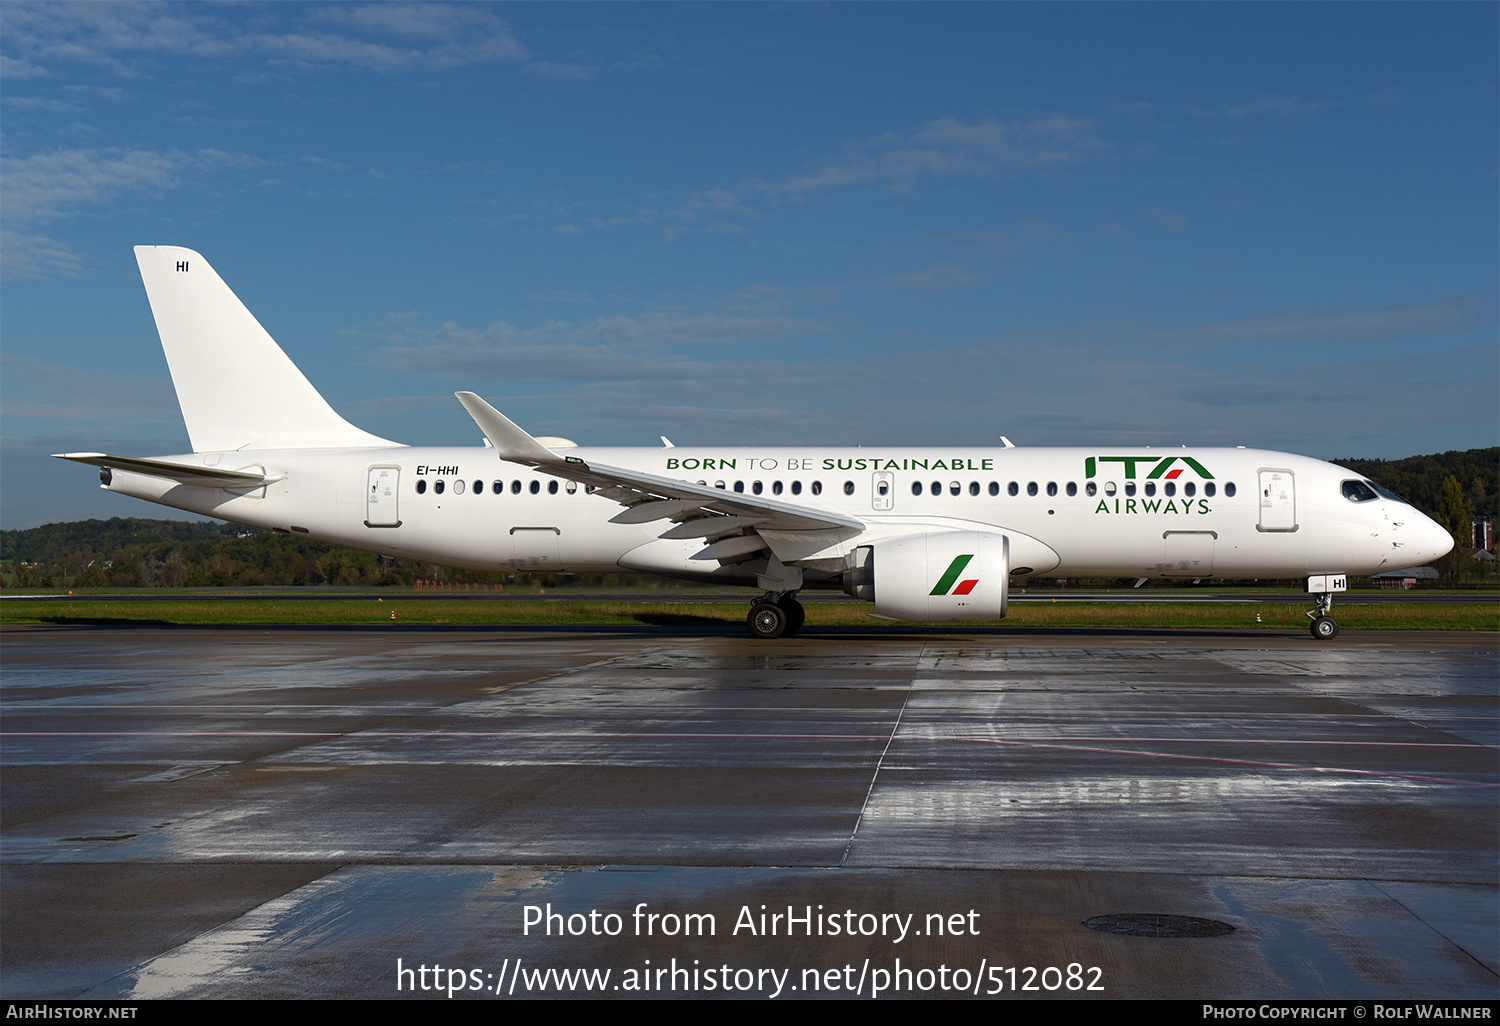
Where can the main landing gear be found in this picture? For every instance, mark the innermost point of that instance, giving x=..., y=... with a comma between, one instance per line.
x=1323, y=626
x=775, y=615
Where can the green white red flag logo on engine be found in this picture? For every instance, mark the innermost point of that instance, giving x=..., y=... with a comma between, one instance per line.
x=953, y=573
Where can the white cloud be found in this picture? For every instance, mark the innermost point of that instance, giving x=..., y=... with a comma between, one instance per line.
x=944, y=148
x=33, y=256
x=69, y=395
x=1280, y=106
x=559, y=71
x=599, y=349
x=1343, y=324
x=1165, y=219
x=44, y=186
x=382, y=37
x=948, y=147
x=1117, y=382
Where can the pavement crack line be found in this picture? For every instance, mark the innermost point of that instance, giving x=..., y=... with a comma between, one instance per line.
x=1423, y=920
x=876, y=775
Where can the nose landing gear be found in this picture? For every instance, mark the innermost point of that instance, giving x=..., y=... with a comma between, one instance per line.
x=1323, y=626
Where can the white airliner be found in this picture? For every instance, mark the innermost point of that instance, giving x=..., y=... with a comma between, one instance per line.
x=927, y=534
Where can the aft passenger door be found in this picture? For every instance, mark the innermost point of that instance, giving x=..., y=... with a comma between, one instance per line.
x=381, y=492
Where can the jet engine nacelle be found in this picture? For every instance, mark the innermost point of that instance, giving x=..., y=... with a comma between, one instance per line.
x=937, y=575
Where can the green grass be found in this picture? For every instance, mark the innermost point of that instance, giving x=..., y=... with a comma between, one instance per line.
x=339, y=611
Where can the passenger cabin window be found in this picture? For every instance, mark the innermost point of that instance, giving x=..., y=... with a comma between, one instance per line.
x=1013, y=488
x=1051, y=487
x=994, y=487
x=1129, y=487
x=1091, y=489
x=552, y=487
x=916, y=487
x=955, y=488
x=536, y=488
x=1229, y=489
x=776, y=488
x=817, y=487
x=478, y=487
x=1030, y=487
x=421, y=486
x=515, y=487
x=1189, y=489
x=757, y=487
x=973, y=487
x=437, y=487
x=796, y=487
x=1072, y=488
x=458, y=487
x=1150, y=487
x=1209, y=489
x=848, y=487
x=572, y=487
x=498, y=487
x=936, y=488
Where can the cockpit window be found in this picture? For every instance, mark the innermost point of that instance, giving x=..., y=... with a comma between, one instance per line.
x=1358, y=491
x=1386, y=493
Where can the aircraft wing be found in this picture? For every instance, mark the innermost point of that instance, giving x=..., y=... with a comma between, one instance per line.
x=734, y=524
x=182, y=473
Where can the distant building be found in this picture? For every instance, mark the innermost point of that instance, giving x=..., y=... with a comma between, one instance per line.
x=1407, y=578
x=1484, y=536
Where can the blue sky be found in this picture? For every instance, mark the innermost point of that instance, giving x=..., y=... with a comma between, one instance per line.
x=1265, y=224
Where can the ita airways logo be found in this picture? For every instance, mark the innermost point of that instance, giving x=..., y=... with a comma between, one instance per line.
x=945, y=584
x=1162, y=467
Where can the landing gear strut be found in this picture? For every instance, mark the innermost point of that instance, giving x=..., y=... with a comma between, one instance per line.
x=1323, y=626
x=775, y=615
x=1323, y=586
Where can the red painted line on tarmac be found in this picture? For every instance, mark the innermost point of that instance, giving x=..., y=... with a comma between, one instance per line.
x=1236, y=762
x=1054, y=741
x=1062, y=744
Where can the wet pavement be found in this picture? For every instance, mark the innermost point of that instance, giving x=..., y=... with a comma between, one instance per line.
x=278, y=812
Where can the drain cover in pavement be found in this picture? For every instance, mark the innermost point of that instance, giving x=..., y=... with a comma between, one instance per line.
x=1147, y=925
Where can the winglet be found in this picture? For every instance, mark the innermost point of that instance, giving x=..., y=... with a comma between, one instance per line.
x=510, y=442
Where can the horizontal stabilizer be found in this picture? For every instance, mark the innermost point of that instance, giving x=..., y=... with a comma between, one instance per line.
x=211, y=477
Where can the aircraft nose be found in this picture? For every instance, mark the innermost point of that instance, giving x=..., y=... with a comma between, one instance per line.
x=1442, y=541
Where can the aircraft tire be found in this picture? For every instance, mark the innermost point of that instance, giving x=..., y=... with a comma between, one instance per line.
x=767, y=621
x=795, y=615
x=1324, y=628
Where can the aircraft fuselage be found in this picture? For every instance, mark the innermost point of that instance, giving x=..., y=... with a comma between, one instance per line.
x=1142, y=512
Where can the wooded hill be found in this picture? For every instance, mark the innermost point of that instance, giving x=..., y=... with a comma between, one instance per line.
x=1419, y=479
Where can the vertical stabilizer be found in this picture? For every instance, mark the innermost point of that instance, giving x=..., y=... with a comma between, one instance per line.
x=237, y=389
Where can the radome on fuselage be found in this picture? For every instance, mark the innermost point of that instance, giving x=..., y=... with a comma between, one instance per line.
x=925, y=533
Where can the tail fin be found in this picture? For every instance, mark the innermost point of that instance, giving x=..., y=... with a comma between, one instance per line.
x=237, y=389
